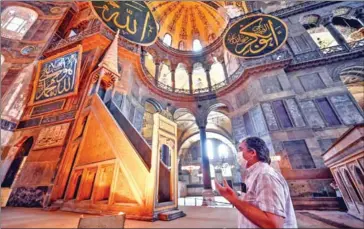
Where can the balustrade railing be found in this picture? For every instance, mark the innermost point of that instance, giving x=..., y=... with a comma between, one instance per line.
x=276, y=57
x=95, y=28
x=330, y=51
x=356, y=44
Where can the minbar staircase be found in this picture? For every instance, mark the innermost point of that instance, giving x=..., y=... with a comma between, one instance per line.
x=117, y=171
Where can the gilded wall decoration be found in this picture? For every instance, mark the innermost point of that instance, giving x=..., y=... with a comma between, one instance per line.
x=57, y=76
x=52, y=136
x=134, y=20
x=256, y=36
x=49, y=107
x=58, y=118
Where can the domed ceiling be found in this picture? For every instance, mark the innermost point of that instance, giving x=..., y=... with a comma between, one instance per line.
x=186, y=21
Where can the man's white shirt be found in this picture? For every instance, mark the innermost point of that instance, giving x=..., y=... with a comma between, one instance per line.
x=267, y=190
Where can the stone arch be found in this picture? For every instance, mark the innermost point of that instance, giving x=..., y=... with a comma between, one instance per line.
x=341, y=11
x=336, y=70
x=157, y=105
x=352, y=74
x=209, y=134
x=223, y=106
x=181, y=111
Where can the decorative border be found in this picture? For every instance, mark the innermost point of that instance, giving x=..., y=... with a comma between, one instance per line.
x=44, y=135
x=77, y=78
x=46, y=112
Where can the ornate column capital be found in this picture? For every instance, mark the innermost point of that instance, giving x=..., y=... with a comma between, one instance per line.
x=201, y=122
x=326, y=20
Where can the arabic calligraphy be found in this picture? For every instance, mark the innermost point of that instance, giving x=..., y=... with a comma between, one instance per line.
x=134, y=19
x=256, y=36
x=52, y=136
x=57, y=77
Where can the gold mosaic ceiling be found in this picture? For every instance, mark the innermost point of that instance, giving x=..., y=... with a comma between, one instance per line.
x=189, y=20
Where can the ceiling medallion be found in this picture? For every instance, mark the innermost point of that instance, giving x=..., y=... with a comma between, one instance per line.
x=134, y=20
x=256, y=35
x=27, y=50
x=56, y=10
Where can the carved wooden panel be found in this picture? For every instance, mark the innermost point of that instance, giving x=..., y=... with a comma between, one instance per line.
x=52, y=136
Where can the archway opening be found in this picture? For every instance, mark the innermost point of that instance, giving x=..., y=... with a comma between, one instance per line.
x=17, y=162
x=164, y=186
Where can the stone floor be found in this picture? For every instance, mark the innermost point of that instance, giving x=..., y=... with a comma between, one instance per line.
x=197, y=217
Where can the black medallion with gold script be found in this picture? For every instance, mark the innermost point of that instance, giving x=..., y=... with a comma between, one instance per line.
x=57, y=77
x=133, y=18
x=255, y=36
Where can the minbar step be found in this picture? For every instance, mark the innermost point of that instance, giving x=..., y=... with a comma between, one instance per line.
x=171, y=215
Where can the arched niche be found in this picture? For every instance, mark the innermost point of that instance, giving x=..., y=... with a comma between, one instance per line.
x=16, y=21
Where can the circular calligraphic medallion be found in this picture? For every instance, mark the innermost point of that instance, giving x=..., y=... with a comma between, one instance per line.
x=133, y=18
x=256, y=36
x=27, y=50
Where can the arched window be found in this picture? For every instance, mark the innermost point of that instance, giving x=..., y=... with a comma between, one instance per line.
x=319, y=34
x=167, y=39
x=351, y=29
x=181, y=45
x=181, y=77
x=165, y=75
x=16, y=21
x=199, y=76
x=149, y=63
x=217, y=74
x=2, y=60
x=196, y=45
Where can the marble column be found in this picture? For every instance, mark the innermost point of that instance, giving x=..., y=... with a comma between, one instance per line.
x=173, y=79
x=335, y=33
x=207, y=71
x=190, y=82
x=207, y=194
x=157, y=71
x=226, y=74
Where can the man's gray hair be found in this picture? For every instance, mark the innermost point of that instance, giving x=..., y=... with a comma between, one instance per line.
x=258, y=144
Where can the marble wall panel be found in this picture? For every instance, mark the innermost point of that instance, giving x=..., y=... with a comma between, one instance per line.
x=270, y=84
x=346, y=109
x=295, y=113
x=312, y=82
x=311, y=113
